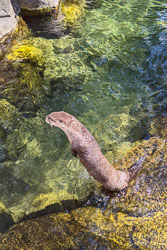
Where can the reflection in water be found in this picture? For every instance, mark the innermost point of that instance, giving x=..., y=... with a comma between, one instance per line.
x=109, y=72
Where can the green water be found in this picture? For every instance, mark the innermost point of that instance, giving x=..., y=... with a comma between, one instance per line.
x=110, y=72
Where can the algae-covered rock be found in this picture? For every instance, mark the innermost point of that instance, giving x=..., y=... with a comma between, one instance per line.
x=2, y=151
x=134, y=219
x=159, y=127
x=20, y=31
x=72, y=11
x=7, y=110
x=2, y=208
x=26, y=52
x=8, y=113
x=114, y=132
x=5, y=218
x=44, y=200
x=23, y=86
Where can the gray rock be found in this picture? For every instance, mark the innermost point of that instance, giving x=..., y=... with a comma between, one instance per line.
x=10, y=9
x=37, y=4
x=8, y=13
x=5, y=8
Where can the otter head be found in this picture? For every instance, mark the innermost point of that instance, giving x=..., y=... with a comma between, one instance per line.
x=60, y=119
x=63, y=121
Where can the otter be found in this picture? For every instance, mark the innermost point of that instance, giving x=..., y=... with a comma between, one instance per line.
x=85, y=147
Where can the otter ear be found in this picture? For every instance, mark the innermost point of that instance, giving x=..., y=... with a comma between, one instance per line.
x=74, y=153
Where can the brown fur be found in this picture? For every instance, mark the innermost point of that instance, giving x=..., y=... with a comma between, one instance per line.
x=85, y=147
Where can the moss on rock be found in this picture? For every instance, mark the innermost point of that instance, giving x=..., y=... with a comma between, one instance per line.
x=20, y=32
x=159, y=128
x=26, y=52
x=23, y=87
x=2, y=208
x=72, y=10
x=7, y=113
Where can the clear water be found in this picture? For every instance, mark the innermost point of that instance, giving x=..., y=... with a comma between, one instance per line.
x=110, y=72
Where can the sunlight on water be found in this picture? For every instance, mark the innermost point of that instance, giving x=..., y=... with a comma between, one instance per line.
x=109, y=72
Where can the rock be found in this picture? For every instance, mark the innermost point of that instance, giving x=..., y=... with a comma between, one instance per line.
x=27, y=63
x=114, y=132
x=10, y=10
x=158, y=128
x=26, y=52
x=5, y=218
x=8, y=16
x=37, y=7
x=7, y=113
x=37, y=4
x=72, y=11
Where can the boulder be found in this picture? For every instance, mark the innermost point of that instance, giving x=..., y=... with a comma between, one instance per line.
x=8, y=16
x=37, y=7
x=37, y=4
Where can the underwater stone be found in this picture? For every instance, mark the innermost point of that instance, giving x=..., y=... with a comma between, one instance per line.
x=2, y=151
x=26, y=52
x=159, y=128
x=28, y=63
x=71, y=12
x=7, y=112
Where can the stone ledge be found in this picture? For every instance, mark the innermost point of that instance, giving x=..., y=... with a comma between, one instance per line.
x=7, y=24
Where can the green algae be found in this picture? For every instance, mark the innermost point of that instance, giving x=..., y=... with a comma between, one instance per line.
x=26, y=52
x=158, y=128
x=115, y=126
x=25, y=81
x=7, y=110
x=72, y=11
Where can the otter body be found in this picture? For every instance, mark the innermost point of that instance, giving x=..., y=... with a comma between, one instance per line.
x=85, y=147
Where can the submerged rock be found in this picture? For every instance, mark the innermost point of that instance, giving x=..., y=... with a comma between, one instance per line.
x=134, y=219
x=23, y=85
x=7, y=113
x=72, y=11
x=113, y=127
x=26, y=51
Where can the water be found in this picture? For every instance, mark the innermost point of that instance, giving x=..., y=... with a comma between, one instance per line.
x=109, y=71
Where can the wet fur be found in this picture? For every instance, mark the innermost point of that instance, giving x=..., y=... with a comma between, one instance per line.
x=85, y=147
